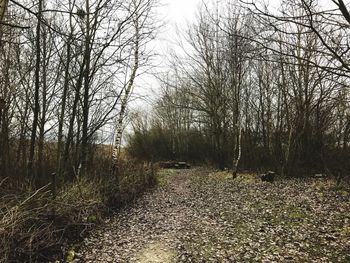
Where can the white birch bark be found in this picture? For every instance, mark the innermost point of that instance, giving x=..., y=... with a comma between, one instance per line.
x=238, y=151
x=124, y=102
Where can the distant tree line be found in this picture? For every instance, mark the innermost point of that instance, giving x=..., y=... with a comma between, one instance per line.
x=257, y=87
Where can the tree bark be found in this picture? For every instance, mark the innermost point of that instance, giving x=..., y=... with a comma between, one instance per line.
x=238, y=153
x=124, y=102
x=36, y=93
x=64, y=99
x=43, y=111
x=3, y=7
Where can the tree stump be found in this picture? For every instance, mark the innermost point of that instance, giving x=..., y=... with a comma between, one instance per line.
x=268, y=177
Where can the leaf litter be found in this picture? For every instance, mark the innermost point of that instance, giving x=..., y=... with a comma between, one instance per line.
x=200, y=215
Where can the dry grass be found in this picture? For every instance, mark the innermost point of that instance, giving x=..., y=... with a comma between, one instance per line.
x=34, y=226
x=23, y=223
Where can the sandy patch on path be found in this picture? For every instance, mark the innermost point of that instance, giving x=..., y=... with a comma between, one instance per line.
x=156, y=253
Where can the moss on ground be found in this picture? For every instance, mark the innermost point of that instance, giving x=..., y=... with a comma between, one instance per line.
x=164, y=175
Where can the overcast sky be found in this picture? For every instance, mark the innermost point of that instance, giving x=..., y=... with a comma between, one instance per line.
x=174, y=15
x=177, y=11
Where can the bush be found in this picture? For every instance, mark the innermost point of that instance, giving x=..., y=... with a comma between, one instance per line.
x=157, y=144
x=133, y=179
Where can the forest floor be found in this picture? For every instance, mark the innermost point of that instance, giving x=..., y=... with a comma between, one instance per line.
x=200, y=215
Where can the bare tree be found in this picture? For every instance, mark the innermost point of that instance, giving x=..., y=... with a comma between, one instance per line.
x=36, y=108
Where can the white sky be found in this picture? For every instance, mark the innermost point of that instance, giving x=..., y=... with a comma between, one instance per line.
x=174, y=15
x=177, y=11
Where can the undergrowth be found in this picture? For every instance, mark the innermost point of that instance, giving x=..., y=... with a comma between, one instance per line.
x=35, y=226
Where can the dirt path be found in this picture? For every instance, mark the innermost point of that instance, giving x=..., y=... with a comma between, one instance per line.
x=197, y=216
x=147, y=231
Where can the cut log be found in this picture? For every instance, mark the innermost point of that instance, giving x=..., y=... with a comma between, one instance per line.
x=183, y=165
x=174, y=165
x=268, y=177
x=167, y=165
x=320, y=176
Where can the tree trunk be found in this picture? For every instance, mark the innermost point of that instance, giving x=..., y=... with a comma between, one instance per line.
x=238, y=152
x=64, y=100
x=70, y=134
x=43, y=114
x=36, y=93
x=4, y=121
x=87, y=55
x=3, y=7
x=124, y=102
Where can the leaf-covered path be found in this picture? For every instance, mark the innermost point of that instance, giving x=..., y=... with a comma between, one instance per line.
x=198, y=216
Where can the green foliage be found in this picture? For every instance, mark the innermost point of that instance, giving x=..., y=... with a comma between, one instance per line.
x=345, y=231
x=70, y=255
x=166, y=172
x=164, y=175
x=297, y=215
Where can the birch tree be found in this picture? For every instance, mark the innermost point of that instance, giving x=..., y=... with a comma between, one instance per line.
x=126, y=96
x=141, y=17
